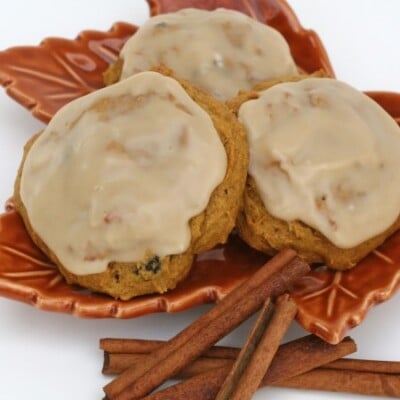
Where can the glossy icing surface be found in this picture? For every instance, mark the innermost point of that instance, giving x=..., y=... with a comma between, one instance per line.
x=305, y=45
x=122, y=171
x=322, y=152
x=221, y=51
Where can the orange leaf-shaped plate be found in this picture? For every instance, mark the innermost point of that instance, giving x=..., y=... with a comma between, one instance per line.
x=45, y=77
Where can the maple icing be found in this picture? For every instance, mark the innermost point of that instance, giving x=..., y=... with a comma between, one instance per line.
x=118, y=174
x=326, y=154
x=221, y=51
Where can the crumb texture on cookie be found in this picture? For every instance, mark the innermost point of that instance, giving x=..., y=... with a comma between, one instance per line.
x=221, y=51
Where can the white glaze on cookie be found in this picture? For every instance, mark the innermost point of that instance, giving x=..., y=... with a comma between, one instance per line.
x=221, y=51
x=326, y=154
x=118, y=174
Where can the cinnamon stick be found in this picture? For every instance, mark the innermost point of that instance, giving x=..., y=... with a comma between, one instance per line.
x=246, y=354
x=199, y=387
x=309, y=351
x=202, y=386
x=260, y=361
x=120, y=354
x=118, y=357
x=271, y=280
x=205, y=379
x=365, y=377
x=353, y=376
x=382, y=367
x=347, y=381
x=143, y=346
x=116, y=363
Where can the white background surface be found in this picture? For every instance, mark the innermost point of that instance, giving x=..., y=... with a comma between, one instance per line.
x=54, y=356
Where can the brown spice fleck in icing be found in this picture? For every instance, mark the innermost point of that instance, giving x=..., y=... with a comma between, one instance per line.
x=221, y=51
x=119, y=173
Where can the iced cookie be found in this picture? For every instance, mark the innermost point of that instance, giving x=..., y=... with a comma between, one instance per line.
x=127, y=184
x=221, y=51
x=323, y=173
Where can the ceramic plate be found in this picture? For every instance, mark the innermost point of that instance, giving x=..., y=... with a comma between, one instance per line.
x=45, y=77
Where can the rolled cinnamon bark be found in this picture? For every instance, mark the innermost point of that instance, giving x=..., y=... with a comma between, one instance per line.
x=347, y=381
x=246, y=355
x=207, y=374
x=246, y=375
x=143, y=346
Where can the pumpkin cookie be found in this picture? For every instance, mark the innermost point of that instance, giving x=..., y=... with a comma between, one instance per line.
x=323, y=172
x=221, y=51
x=127, y=184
